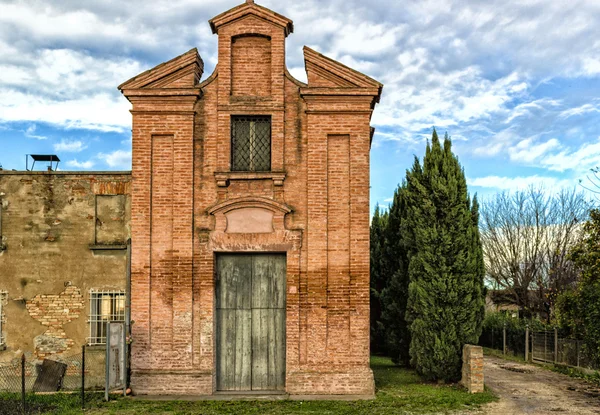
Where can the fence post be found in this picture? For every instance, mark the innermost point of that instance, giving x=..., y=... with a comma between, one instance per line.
x=107, y=363
x=504, y=339
x=83, y=377
x=23, y=383
x=545, y=345
x=527, y=343
x=577, y=348
x=555, y=345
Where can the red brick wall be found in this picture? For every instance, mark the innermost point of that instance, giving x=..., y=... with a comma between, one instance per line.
x=318, y=192
x=251, y=66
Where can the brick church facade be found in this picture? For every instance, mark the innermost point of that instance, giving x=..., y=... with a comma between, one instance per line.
x=248, y=212
x=251, y=162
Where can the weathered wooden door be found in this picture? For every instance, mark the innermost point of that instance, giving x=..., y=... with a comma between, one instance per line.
x=250, y=300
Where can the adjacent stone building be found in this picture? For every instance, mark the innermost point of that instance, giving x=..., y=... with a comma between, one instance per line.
x=63, y=260
x=249, y=204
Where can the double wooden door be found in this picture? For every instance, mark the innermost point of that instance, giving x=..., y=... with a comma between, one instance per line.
x=250, y=299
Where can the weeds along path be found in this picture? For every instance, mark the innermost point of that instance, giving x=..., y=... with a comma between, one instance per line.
x=529, y=389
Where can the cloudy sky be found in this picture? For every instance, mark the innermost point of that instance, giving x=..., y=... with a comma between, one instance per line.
x=516, y=83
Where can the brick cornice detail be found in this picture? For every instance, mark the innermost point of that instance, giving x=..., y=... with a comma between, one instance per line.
x=166, y=112
x=340, y=92
x=223, y=178
x=159, y=92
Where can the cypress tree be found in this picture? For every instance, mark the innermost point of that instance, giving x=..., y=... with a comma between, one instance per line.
x=378, y=280
x=395, y=267
x=445, y=293
x=479, y=290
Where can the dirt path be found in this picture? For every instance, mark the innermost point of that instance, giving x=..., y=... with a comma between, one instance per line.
x=529, y=389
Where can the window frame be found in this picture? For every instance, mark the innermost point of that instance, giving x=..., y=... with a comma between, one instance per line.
x=232, y=139
x=96, y=318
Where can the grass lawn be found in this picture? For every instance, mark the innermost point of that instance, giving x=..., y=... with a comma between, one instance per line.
x=399, y=391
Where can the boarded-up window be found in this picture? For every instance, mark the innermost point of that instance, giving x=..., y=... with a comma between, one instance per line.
x=250, y=143
x=110, y=219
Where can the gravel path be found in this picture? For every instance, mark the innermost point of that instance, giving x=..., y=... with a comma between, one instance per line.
x=529, y=389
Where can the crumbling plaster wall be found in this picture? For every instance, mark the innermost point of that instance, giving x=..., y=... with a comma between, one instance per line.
x=49, y=223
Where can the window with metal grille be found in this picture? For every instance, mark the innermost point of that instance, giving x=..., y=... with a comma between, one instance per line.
x=250, y=143
x=105, y=306
x=3, y=298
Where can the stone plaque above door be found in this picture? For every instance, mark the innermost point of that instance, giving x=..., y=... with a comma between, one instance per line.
x=249, y=220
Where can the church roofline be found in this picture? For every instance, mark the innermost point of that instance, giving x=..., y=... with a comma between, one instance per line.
x=251, y=8
x=190, y=58
x=352, y=76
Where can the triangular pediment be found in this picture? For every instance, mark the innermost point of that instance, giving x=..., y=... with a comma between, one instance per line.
x=249, y=8
x=184, y=71
x=326, y=72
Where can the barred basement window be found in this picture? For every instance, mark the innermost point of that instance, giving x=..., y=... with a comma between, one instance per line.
x=250, y=143
x=105, y=306
x=3, y=298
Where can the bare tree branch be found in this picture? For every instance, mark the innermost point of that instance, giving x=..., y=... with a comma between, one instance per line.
x=526, y=236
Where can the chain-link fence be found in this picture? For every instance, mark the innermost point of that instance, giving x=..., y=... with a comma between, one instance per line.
x=509, y=339
x=548, y=347
x=13, y=375
x=16, y=375
x=543, y=346
x=572, y=353
x=83, y=371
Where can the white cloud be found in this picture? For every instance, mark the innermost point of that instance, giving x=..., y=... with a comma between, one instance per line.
x=30, y=133
x=365, y=38
x=97, y=112
x=66, y=88
x=120, y=159
x=526, y=109
x=591, y=66
x=528, y=151
x=80, y=165
x=582, y=158
x=74, y=146
x=520, y=182
x=581, y=110
x=443, y=99
x=497, y=143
